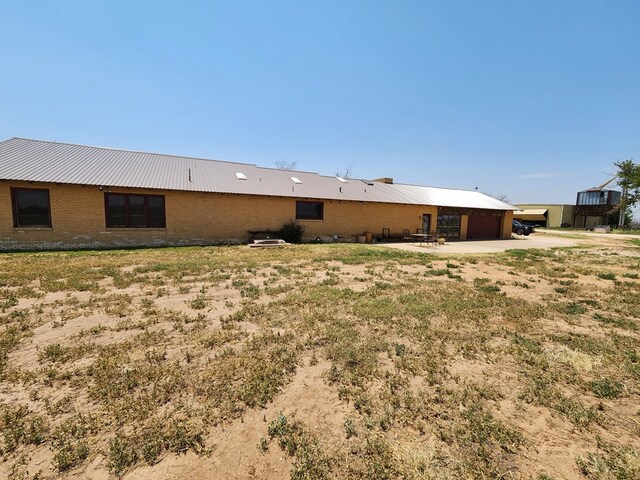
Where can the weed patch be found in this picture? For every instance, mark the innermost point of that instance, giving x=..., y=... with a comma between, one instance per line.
x=606, y=388
x=309, y=461
x=428, y=361
x=612, y=462
x=20, y=426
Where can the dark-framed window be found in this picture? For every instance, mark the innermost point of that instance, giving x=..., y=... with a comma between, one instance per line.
x=128, y=210
x=309, y=210
x=31, y=207
x=449, y=225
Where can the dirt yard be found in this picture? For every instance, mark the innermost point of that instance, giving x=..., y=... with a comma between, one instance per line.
x=321, y=362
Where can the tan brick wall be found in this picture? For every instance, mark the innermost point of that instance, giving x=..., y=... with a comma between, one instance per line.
x=78, y=219
x=464, y=226
x=505, y=229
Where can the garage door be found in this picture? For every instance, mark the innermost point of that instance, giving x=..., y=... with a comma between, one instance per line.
x=485, y=226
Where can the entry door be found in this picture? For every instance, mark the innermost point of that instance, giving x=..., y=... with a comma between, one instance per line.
x=426, y=223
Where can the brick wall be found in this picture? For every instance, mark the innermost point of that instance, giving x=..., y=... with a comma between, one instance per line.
x=505, y=230
x=78, y=219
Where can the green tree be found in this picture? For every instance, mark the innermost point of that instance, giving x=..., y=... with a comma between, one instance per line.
x=629, y=179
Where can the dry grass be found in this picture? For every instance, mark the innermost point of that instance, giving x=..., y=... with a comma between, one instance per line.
x=519, y=365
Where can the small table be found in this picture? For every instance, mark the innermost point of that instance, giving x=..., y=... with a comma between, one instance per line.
x=425, y=238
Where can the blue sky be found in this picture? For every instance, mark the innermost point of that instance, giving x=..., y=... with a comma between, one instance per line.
x=532, y=99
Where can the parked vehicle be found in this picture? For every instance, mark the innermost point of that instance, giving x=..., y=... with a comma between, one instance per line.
x=520, y=228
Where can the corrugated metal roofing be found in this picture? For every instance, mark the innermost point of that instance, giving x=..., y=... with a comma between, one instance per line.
x=42, y=161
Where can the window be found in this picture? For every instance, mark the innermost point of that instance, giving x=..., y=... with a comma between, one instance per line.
x=449, y=225
x=31, y=207
x=598, y=197
x=309, y=210
x=134, y=211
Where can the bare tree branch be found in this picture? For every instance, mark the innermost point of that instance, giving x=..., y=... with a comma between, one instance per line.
x=286, y=164
x=501, y=196
x=347, y=172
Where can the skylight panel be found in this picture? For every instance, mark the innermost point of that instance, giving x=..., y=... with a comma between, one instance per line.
x=241, y=176
x=340, y=179
x=295, y=180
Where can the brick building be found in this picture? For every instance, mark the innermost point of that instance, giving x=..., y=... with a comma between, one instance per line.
x=57, y=195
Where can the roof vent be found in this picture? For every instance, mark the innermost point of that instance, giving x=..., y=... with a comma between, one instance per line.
x=241, y=176
x=295, y=180
x=340, y=179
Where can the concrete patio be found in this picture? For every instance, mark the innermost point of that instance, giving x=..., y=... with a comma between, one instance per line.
x=485, y=246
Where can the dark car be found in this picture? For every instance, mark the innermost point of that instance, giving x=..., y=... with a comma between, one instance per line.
x=520, y=228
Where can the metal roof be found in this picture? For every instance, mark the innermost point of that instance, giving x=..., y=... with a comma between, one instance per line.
x=532, y=211
x=531, y=214
x=43, y=161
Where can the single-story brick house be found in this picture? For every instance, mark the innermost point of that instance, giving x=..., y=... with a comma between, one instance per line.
x=59, y=195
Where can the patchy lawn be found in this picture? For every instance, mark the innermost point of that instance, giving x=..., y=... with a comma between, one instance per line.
x=320, y=361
